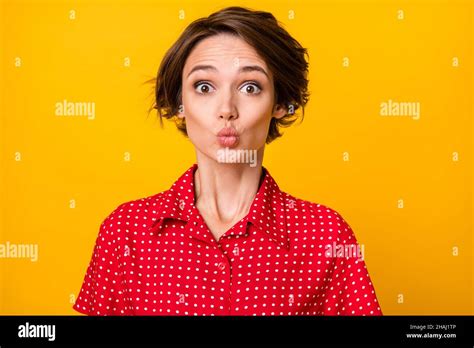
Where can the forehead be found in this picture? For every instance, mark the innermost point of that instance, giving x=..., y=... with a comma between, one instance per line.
x=223, y=49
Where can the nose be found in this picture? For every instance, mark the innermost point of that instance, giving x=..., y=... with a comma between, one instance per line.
x=227, y=116
x=227, y=109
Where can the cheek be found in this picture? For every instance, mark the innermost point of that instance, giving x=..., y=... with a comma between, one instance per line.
x=255, y=121
x=196, y=126
x=258, y=113
x=194, y=110
x=198, y=122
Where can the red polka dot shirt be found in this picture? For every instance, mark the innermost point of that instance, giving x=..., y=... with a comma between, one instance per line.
x=156, y=256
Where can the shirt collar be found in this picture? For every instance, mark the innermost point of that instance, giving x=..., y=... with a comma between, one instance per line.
x=267, y=212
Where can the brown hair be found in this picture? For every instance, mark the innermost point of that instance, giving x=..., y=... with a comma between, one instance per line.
x=284, y=56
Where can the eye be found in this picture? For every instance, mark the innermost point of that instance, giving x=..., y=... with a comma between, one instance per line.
x=251, y=88
x=203, y=87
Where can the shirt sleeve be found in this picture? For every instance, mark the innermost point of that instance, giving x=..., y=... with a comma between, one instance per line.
x=350, y=290
x=102, y=289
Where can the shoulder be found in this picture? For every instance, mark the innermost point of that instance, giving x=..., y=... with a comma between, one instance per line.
x=138, y=207
x=134, y=214
x=315, y=218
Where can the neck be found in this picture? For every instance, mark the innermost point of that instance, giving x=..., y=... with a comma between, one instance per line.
x=225, y=191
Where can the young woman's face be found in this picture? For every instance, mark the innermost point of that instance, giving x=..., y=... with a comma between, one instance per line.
x=227, y=95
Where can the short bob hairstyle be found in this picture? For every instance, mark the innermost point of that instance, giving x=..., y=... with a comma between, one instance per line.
x=285, y=58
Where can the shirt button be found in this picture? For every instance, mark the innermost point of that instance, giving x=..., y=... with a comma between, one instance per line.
x=221, y=266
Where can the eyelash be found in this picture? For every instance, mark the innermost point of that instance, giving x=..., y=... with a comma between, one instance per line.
x=256, y=84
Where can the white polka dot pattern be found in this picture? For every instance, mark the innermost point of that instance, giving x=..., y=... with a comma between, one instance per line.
x=156, y=256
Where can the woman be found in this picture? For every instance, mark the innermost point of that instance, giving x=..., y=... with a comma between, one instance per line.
x=224, y=240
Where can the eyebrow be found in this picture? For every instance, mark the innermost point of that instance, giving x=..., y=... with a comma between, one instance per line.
x=246, y=68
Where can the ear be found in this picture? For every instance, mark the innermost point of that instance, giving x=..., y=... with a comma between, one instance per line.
x=279, y=111
x=180, y=111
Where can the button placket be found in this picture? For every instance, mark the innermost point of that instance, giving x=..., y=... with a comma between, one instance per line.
x=223, y=276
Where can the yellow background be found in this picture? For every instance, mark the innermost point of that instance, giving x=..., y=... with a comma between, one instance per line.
x=408, y=251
